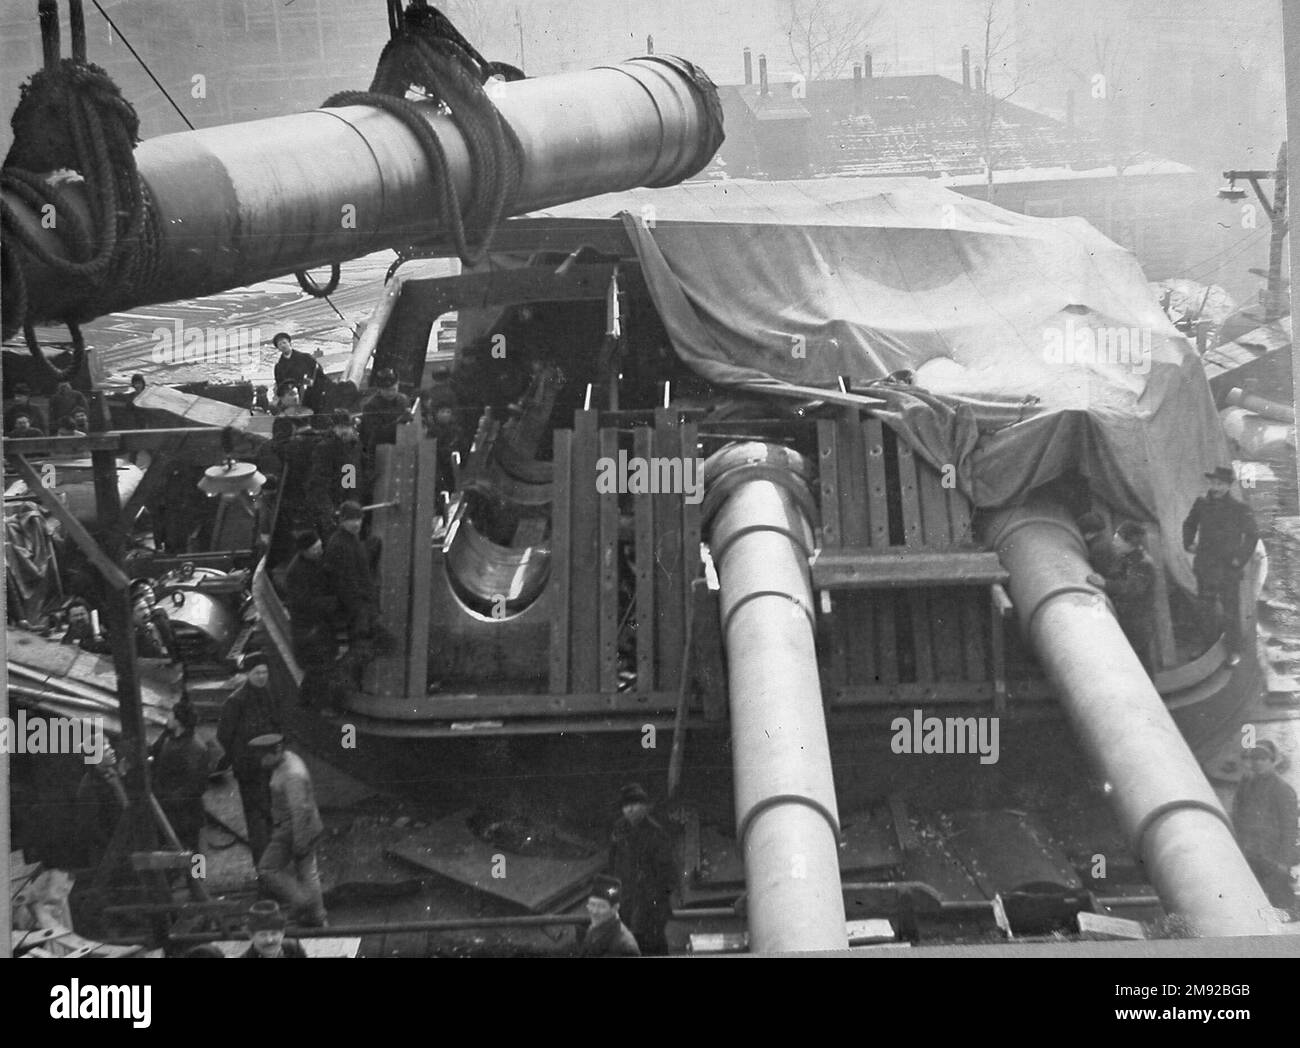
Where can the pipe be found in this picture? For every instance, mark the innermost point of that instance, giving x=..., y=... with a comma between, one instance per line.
x=246, y=202
x=1164, y=804
x=1264, y=408
x=757, y=512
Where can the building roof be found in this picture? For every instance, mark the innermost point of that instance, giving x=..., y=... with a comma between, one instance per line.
x=930, y=126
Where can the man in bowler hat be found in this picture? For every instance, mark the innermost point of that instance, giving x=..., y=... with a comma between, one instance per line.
x=1221, y=533
x=266, y=926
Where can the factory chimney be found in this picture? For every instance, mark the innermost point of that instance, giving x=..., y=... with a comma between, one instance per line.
x=762, y=76
x=749, y=67
x=965, y=68
x=649, y=44
x=866, y=65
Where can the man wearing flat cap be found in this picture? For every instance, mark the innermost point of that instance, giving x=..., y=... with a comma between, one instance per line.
x=1264, y=816
x=313, y=609
x=266, y=926
x=607, y=935
x=288, y=868
x=337, y=469
x=383, y=408
x=1221, y=533
x=251, y=710
x=641, y=857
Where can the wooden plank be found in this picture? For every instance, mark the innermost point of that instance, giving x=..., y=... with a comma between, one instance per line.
x=646, y=626
x=879, y=615
x=395, y=482
x=914, y=539
x=829, y=479
x=856, y=515
x=900, y=568
x=584, y=565
x=973, y=634
x=561, y=542
x=946, y=632
x=936, y=529
x=959, y=518
x=998, y=651
x=670, y=588
x=426, y=516
x=607, y=511
x=692, y=565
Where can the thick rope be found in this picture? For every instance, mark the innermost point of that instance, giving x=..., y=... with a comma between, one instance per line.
x=72, y=123
x=428, y=52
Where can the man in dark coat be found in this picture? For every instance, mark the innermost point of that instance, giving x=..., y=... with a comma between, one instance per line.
x=381, y=411
x=1264, y=815
x=1221, y=532
x=607, y=935
x=65, y=400
x=1131, y=585
x=347, y=561
x=336, y=469
x=251, y=710
x=313, y=608
x=641, y=857
x=180, y=773
x=22, y=404
x=296, y=367
x=24, y=427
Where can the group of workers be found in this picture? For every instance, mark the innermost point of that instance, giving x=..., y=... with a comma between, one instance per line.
x=1221, y=535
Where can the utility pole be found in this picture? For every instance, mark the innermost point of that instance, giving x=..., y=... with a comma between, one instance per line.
x=1291, y=57
x=1273, y=299
x=519, y=24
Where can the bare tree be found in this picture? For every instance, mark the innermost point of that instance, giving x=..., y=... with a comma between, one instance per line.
x=1002, y=77
x=825, y=36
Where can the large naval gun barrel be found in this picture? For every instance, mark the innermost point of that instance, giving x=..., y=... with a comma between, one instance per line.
x=246, y=202
x=758, y=510
x=1165, y=806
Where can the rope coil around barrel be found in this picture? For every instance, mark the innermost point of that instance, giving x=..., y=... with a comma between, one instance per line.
x=73, y=124
x=428, y=52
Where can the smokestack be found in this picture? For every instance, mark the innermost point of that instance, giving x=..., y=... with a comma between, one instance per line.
x=762, y=75
x=857, y=88
x=866, y=65
x=749, y=67
x=649, y=44
x=1069, y=109
x=979, y=80
x=965, y=68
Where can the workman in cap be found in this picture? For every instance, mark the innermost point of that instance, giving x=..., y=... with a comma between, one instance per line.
x=251, y=710
x=607, y=935
x=641, y=857
x=1264, y=816
x=337, y=470
x=288, y=868
x=1131, y=585
x=382, y=409
x=314, y=608
x=1221, y=533
x=349, y=561
x=296, y=367
x=266, y=926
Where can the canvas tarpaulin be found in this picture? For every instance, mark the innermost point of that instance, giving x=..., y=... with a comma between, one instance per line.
x=1035, y=343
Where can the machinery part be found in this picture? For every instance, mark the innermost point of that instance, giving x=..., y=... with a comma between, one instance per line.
x=787, y=820
x=1260, y=406
x=1164, y=804
x=493, y=578
x=246, y=202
